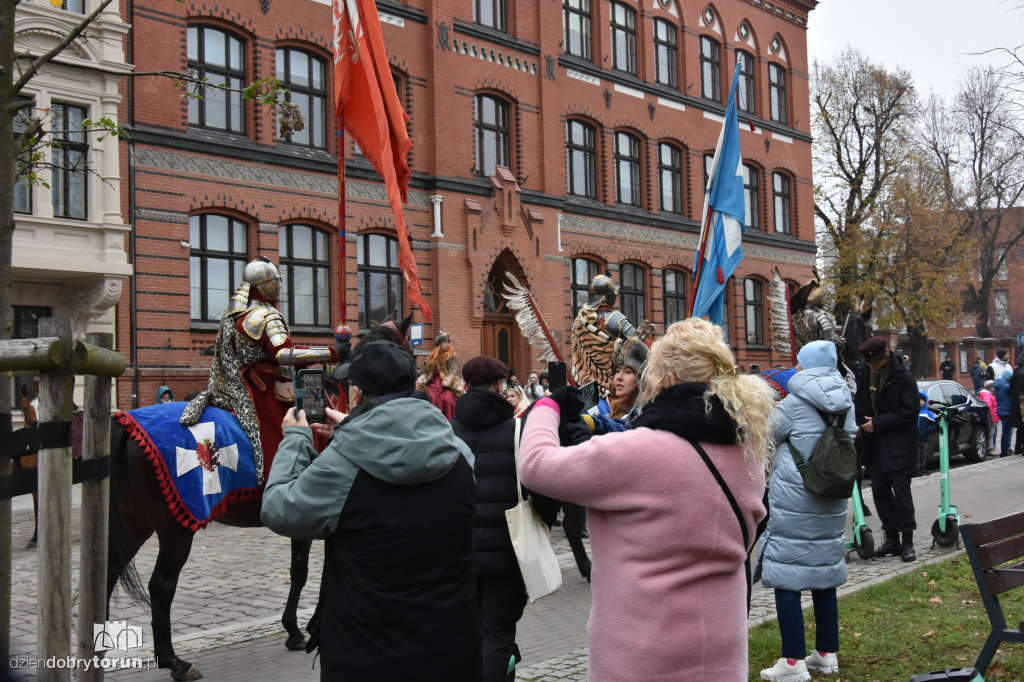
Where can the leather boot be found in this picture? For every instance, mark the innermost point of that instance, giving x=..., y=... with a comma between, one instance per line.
x=891, y=546
x=907, y=550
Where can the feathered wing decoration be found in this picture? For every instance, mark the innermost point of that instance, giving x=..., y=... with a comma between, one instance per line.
x=529, y=319
x=780, y=319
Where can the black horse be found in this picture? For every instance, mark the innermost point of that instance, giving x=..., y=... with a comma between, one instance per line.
x=138, y=509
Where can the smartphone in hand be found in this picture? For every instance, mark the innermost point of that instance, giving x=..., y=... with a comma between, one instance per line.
x=310, y=395
x=557, y=376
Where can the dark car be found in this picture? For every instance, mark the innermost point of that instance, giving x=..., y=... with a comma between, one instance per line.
x=969, y=435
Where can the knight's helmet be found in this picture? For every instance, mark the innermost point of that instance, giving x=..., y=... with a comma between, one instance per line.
x=602, y=289
x=262, y=275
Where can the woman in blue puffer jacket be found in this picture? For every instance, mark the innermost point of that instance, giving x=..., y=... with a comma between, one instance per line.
x=1002, y=391
x=803, y=547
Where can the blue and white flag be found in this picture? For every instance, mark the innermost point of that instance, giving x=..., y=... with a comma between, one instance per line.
x=724, y=218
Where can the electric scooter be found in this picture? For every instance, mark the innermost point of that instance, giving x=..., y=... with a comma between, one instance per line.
x=946, y=529
x=862, y=541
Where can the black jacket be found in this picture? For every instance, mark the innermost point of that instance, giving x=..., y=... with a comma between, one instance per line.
x=892, y=446
x=484, y=421
x=1016, y=392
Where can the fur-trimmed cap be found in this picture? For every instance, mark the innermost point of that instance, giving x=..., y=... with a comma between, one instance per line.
x=631, y=353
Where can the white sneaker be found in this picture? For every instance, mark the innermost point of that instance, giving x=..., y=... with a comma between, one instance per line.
x=782, y=671
x=827, y=664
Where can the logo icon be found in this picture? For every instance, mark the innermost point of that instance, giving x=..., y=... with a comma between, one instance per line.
x=116, y=636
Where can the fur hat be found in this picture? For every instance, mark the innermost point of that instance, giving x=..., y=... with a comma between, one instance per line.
x=632, y=353
x=817, y=354
x=442, y=336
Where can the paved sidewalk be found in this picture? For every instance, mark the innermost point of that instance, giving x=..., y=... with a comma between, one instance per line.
x=230, y=596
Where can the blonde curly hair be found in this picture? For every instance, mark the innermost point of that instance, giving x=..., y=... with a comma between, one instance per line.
x=693, y=350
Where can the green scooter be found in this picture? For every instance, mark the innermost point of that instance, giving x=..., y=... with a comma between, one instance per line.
x=862, y=541
x=946, y=529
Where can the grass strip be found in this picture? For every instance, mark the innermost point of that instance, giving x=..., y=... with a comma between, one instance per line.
x=928, y=619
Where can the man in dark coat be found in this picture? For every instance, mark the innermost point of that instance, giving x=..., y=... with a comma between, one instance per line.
x=890, y=403
x=393, y=495
x=484, y=421
x=947, y=368
x=1016, y=393
x=977, y=375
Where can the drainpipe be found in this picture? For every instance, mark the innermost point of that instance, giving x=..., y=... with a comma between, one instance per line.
x=436, y=200
x=132, y=303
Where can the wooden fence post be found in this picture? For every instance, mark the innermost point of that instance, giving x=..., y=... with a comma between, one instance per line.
x=54, y=629
x=92, y=581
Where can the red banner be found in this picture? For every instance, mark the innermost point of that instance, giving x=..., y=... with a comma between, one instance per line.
x=373, y=115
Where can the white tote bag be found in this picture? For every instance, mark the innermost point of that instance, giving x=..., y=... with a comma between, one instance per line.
x=531, y=539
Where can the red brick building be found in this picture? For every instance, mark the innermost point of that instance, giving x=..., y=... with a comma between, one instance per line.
x=551, y=140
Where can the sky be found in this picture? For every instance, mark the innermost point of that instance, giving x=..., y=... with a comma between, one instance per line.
x=931, y=39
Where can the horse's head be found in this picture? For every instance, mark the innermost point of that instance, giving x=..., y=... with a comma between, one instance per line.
x=389, y=331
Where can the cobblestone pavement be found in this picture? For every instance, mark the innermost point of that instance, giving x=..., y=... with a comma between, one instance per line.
x=227, y=609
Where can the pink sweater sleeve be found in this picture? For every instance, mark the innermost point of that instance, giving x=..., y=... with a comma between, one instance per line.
x=591, y=473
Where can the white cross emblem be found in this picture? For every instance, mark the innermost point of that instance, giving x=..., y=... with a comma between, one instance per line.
x=207, y=455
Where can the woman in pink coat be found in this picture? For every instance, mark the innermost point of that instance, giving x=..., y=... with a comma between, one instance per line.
x=669, y=587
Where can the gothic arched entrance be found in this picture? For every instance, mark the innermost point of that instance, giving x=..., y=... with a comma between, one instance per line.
x=499, y=334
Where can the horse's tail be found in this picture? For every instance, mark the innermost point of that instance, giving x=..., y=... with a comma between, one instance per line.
x=120, y=552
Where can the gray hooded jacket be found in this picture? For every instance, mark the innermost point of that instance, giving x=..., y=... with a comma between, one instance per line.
x=803, y=546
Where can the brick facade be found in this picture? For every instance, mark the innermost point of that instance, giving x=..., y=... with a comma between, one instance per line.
x=524, y=221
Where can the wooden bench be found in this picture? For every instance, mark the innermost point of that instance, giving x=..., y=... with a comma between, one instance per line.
x=989, y=546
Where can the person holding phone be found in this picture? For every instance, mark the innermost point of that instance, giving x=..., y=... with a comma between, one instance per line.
x=393, y=495
x=667, y=604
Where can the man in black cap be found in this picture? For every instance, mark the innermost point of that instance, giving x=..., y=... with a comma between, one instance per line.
x=889, y=402
x=484, y=420
x=393, y=496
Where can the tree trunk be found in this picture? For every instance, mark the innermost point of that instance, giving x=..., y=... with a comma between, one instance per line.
x=918, y=344
x=6, y=245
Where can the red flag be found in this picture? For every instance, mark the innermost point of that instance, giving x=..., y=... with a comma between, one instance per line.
x=367, y=101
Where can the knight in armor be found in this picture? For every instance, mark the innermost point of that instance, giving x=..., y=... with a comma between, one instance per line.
x=811, y=322
x=597, y=327
x=247, y=376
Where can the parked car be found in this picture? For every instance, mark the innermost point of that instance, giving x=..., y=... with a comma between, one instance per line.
x=969, y=435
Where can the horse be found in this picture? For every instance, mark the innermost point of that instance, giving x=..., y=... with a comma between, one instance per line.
x=138, y=509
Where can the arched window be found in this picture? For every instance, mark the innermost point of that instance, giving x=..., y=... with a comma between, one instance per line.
x=627, y=169
x=623, y=38
x=581, y=159
x=674, y=289
x=304, y=76
x=670, y=177
x=217, y=56
x=754, y=302
x=631, y=292
x=666, y=55
x=782, y=203
x=492, y=134
x=710, y=69
x=218, y=256
x=777, y=92
x=584, y=271
x=752, y=196
x=576, y=25
x=305, y=266
x=745, y=96
x=380, y=280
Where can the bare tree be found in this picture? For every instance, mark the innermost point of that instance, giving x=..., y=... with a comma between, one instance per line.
x=863, y=117
x=977, y=145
